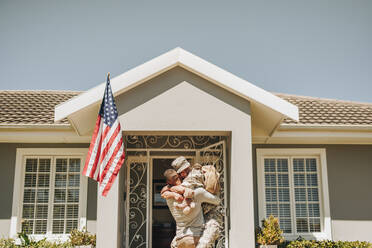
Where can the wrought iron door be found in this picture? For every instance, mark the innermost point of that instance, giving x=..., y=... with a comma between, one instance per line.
x=216, y=155
x=137, y=202
x=139, y=175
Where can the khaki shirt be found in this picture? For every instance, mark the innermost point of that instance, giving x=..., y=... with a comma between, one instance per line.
x=192, y=224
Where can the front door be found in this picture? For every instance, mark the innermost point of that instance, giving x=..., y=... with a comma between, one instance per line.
x=148, y=220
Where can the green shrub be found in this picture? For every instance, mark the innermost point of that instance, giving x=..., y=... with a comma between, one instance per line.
x=328, y=244
x=27, y=242
x=48, y=244
x=77, y=238
x=7, y=243
x=82, y=238
x=270, y=234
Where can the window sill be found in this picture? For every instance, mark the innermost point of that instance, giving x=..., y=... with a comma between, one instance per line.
x=308, y=236
x=50, y=237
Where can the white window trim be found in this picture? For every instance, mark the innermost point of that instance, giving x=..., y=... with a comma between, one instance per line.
x=326, y=232
x=22, y=153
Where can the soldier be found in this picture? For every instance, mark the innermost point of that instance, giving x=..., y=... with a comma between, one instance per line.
x=190, y=226
x=207, y=177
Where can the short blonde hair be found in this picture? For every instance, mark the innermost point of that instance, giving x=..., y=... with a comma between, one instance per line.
x=169, y=173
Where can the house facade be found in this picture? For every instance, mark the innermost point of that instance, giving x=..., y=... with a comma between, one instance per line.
x=305, y=160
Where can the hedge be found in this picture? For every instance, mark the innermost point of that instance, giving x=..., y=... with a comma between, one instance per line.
x=77, y=238
x=328, y=244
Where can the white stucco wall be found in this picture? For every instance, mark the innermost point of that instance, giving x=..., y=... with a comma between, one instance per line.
x=186, y=102
x=352, y=230
x=107, y=224
x=4, y=227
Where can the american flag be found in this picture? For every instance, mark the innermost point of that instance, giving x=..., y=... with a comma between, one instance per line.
x=106, y=152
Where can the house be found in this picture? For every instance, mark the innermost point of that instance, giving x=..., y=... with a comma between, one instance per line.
x=306, y=160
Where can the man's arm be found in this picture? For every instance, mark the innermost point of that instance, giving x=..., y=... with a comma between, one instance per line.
x=201, y=195
x=165, y=188
x=166, y=193
x=169, y=195
x=178, y=189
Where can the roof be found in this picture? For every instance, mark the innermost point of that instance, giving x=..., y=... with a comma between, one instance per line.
x=37, y=107
x=30, y=107
x=260, y=99
x=321, y=111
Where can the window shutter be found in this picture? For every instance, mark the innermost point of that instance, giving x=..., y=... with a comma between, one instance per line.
x=306, y=188
x=36, y=195
x=277, y=191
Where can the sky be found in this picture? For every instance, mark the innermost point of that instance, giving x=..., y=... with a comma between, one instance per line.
x=320, y=48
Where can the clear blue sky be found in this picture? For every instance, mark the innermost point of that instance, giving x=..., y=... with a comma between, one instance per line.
x=317, y=48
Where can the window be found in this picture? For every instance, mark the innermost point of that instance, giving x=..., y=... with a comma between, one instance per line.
x=52, y=192
x=290, y=187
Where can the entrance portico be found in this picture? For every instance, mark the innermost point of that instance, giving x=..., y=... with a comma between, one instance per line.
x=179, y=94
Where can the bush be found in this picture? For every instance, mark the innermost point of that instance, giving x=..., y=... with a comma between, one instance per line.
x=328, y=244
x=82, y=238
x=270, y=234
x=77, y=238
x=10, y=243
x=48, y=244
x=7, y=243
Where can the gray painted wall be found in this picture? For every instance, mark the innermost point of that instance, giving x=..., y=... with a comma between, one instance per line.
x=7, y=167
x=349, y=178
x=350, y=188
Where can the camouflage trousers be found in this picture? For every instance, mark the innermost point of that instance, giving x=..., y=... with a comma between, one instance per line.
x=212, y=227
x=174, y=242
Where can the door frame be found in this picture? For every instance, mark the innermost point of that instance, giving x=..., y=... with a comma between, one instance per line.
x=148, y=159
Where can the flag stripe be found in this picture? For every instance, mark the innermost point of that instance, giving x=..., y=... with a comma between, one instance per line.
x=106, y=129
x=93, y=148
x=104, y=165
x=97, y=150
x=94, y=167
x=112, y=175
x=110, y=163
x=107, y=141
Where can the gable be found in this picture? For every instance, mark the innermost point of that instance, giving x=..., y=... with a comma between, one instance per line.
x=180, y=100
x=267, y=109
x=155, y=104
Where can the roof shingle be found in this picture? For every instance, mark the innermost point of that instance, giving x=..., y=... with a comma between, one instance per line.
x=37, y=107
x=31, y=106
x=321, y=111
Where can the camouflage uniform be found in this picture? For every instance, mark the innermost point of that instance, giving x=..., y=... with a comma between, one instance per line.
x=194, y=179
x=212, y=214
x=174, y=242
x=207, y=231
x=213, y=226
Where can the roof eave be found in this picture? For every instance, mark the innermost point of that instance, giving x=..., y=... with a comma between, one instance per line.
x=35, y=126
x=326, y=127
